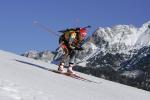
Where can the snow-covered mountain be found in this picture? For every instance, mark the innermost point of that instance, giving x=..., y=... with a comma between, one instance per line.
x=122, y=41
x=144, y=37
x=122, y=38
x=46, y=56
x=27, y=79
x=122, y=55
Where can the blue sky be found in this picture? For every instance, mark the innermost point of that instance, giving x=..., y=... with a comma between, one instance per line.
x=18, y=33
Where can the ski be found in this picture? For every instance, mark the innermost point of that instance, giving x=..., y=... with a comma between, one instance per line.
x=55, y=71
x=84, y=79
x=72, y=76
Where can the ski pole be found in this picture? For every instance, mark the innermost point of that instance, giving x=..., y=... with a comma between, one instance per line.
x=46, y=28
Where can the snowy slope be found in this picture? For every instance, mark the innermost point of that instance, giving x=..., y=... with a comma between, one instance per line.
x=27, y=79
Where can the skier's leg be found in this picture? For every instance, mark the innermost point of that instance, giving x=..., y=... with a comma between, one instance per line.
x=61, y=67
x=63, y=60
x=70, y=70
x=72, y=61
x=59, y=53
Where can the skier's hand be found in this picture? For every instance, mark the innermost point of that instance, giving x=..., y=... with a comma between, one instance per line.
x=71, y=47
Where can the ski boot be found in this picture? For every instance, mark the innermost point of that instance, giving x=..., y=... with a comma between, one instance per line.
x=61, y=68
x=70, y=71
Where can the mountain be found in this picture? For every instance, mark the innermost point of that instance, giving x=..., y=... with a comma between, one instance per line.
x=122, y=55
x=23, y=78
x=122, y=38
x=46, y=56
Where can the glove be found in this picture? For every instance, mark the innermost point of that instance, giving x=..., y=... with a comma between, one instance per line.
x=71, y=47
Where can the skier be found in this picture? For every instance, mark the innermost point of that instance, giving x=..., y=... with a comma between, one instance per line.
x=71, y=41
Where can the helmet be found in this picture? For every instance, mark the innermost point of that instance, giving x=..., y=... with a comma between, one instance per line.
x=83, y=32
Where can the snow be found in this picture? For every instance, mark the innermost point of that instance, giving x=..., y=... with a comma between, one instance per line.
x=144, y=37
x=27, y=79
x=122, y=38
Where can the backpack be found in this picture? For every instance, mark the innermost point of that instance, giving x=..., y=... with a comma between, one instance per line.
x=67, y=33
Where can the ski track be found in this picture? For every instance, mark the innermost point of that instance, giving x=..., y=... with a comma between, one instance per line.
x=12, y=91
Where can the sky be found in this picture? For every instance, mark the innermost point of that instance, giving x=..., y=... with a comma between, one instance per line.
x=19, y=33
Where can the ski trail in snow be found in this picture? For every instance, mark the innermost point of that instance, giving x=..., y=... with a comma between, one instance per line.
x=12, y=91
